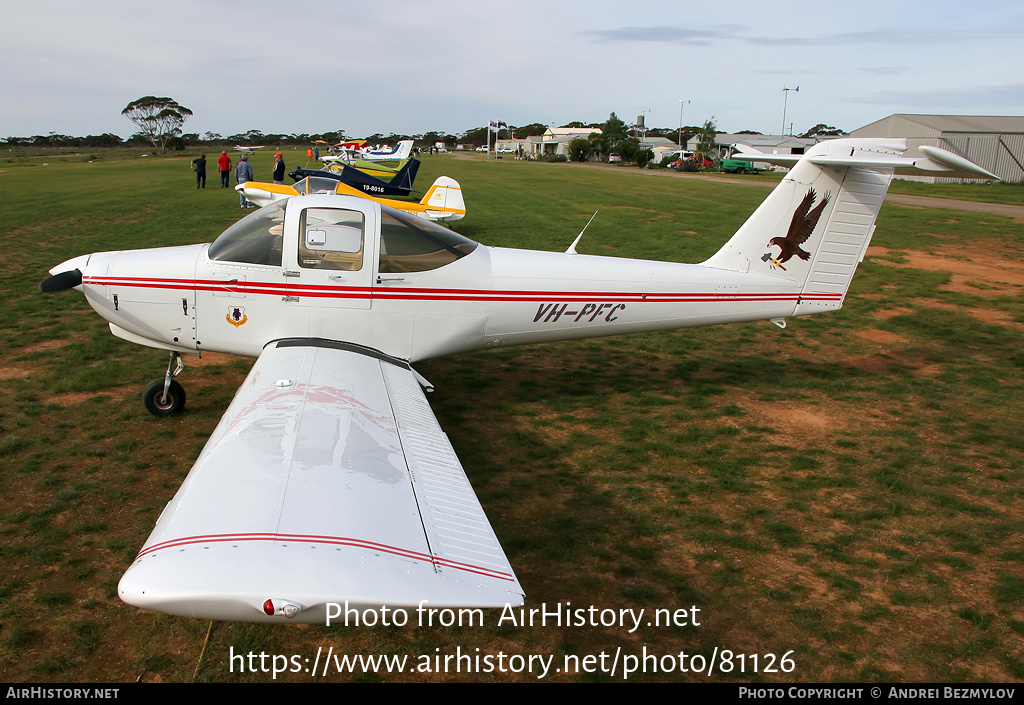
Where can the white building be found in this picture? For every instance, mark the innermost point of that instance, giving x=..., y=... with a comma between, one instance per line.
x=553, y=133
x=726, y=143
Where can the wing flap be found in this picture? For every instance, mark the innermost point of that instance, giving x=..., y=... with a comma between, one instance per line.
x=328, y=480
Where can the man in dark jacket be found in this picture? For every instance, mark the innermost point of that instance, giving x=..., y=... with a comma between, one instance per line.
x=243, y=173
x=278, y=168
x=199, y=167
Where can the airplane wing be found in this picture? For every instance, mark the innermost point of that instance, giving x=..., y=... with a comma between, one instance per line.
x=327, y=480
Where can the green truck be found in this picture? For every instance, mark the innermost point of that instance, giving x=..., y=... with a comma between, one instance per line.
x=738, y=166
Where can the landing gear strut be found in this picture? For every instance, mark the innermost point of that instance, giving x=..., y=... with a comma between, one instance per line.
x=164, y=397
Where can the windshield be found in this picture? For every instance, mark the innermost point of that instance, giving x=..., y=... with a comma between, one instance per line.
x=316, y=184
x=412, y=244
x=255, y=239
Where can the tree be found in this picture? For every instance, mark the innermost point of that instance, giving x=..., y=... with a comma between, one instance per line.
x=708, y=139
x=643, y=157
x=158, y=119
x=823, y=130
x=476, y=136
x=534, y=129
x=579, y=148
x=614, y=129
x=614, y=137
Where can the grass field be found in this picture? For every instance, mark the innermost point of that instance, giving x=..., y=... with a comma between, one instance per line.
x=847, y=492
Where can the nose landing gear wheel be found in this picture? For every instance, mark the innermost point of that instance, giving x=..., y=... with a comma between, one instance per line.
x=155, y=402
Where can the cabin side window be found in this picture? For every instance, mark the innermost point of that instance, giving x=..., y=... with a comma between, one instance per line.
x=411, y=244
x=331, y=238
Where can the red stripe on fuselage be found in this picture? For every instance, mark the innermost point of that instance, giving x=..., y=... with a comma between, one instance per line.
x=426, y=294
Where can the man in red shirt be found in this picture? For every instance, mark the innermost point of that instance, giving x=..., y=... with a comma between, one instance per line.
x=224, y=164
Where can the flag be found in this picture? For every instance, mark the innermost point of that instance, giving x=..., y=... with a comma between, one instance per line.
x=498, y=125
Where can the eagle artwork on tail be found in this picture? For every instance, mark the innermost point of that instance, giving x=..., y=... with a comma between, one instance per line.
x=804, y=222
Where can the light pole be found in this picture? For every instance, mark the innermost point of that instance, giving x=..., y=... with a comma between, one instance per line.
x=785, y=103
x=682, y=102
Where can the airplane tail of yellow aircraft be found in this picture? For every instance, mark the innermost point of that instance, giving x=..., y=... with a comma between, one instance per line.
x=443, y=200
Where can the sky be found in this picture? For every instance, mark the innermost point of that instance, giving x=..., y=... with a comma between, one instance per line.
x=412, y=66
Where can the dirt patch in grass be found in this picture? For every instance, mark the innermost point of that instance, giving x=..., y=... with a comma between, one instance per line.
x=996, y=316
x=876, y=364
x=880, y=336
x=800, y=422
x=981, y=275
x=115, y=393
x=15, y=371
x=887, y=313
x=44, y=346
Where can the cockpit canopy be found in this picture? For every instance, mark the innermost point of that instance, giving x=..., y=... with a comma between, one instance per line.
x=316, y=184
x=408, y=243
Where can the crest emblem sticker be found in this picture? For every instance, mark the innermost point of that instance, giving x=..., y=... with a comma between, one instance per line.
x=236, y=316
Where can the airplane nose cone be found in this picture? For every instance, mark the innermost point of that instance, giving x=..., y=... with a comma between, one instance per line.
x=60, y=282
x=66, y=275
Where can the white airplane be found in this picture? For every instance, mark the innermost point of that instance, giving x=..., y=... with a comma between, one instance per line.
x=247, y=150
x=328, y=479
x=400, y=151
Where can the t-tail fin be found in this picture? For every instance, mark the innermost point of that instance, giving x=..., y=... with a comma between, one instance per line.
x=815, y=227
x=405, y=176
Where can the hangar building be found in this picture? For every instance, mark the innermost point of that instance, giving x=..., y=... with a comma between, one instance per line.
x=995, y=143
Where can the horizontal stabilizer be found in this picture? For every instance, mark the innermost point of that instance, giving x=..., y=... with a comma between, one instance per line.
x=935, y=162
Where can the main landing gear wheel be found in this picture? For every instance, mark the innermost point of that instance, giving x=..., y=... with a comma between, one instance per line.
x=159, y=405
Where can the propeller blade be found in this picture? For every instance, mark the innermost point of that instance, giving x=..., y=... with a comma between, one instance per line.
x=62, y=281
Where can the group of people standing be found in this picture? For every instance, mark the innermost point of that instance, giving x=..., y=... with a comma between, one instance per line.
x=243, y=172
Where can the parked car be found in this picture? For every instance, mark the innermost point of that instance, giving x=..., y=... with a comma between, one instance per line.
x=614, y=158
x=738, y=166
x=482, y=148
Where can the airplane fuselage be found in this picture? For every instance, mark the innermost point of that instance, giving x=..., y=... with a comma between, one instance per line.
x=178, y=298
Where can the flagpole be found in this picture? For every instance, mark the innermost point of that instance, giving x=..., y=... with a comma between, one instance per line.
x=489, y=138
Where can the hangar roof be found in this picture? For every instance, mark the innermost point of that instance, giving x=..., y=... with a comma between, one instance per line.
x=954, y=123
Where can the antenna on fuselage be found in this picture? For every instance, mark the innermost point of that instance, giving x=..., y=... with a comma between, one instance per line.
x=572, y=247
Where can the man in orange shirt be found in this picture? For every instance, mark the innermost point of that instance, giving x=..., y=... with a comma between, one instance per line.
x=224, y=164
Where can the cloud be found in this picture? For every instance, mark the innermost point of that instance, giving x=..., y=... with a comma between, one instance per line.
x=719, y=33
x=665, y=34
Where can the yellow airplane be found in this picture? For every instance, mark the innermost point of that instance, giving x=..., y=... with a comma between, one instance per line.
x=442, y=202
